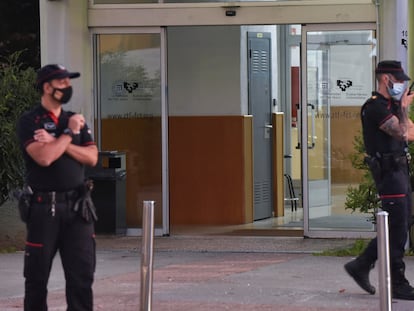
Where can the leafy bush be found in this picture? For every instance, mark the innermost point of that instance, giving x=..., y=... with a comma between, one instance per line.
x=362, y=198
x=17, y=94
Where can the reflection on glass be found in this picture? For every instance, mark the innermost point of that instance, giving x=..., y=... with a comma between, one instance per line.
x=340, y=79
x=295, y=30
x=130, y=106
x=130, y=76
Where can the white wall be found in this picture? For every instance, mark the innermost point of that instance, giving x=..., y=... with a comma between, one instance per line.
x=65, y=40
x=393, y=24
x=207, y=69
x=204, y=70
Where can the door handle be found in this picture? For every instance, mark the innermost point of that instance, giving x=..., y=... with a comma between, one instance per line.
x=269, y=126
x=299, y=126
x=312, y=142
x=312, y=145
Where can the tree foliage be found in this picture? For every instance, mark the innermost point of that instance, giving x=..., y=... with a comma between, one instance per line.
x=17, y=94
x=20, y=30
x=19, y=53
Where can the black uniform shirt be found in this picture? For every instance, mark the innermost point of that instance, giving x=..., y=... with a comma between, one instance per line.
x=374, y=113
x=65, y=173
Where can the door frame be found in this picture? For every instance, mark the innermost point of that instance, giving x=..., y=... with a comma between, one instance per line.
x=304, y=130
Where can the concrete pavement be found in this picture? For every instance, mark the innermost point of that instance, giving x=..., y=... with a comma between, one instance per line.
x=205, y=272
x=213, y=273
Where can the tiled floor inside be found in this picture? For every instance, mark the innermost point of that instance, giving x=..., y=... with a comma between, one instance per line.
x=291, y=224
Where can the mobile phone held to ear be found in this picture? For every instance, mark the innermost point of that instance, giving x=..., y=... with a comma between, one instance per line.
x=411, y=90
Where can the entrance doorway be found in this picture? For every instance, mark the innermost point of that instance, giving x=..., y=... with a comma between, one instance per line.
x=213, y=91
x=131, y=118
x=338, y=72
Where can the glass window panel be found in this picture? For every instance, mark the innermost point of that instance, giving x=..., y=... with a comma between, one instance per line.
x=340, y=79
x=130, y=110
x=295, y=30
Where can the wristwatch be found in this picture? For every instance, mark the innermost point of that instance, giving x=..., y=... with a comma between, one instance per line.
x=68, y=131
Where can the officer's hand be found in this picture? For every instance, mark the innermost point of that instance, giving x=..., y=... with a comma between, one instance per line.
x=407, y=98
x=42, y=136
x=76, y=123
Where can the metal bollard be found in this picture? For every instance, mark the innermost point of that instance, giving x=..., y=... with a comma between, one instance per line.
x=147, y=255
x=384, y=261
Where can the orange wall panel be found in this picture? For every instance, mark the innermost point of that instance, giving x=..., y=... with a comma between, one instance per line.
x=345, y=125
x=207, y=170
x=140, y=139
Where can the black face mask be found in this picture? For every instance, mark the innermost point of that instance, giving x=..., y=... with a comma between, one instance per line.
x=62, y=95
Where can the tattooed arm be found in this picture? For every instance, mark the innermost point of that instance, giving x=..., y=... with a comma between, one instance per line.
x=401, y=127
x=410, y=136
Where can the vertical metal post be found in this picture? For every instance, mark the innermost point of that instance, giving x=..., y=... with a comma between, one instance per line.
x=384, y=261
x=147, y=255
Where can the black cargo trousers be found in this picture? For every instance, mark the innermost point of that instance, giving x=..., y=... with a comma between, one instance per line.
x=63, y=230
x=394, y=190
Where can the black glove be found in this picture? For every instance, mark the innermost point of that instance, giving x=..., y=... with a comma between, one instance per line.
x=84, y=204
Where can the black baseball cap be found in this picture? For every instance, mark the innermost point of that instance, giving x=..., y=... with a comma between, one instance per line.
x=393, y=67
x=53, y=71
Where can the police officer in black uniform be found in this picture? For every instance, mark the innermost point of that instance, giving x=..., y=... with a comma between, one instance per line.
x=386, y=132
x=57, y=144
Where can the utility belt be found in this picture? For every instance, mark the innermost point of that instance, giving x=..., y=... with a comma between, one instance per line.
x=55, y=197
x=381, y=164
x=80, y=197
x=389, y=161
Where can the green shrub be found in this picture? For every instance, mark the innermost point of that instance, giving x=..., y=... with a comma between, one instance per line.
x=354, y=249
x=362, y=198
x=17, y=94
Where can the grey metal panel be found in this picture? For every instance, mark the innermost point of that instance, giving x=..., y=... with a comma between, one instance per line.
x=260, y=109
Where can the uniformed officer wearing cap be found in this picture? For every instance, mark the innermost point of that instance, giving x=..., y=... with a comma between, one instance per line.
x=387, y=130
x=57, y=144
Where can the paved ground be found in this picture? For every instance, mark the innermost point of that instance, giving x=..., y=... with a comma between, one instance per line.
x=12, y=230
x=207, y=273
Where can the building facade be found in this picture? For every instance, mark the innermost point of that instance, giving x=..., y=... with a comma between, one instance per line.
x=217, y=106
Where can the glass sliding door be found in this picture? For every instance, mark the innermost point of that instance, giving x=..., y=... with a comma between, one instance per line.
x=338, y=71
x=131, y=117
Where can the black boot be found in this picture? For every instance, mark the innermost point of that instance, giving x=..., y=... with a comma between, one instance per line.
x=359, y=269
x=401, y=288
x=403, y=291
